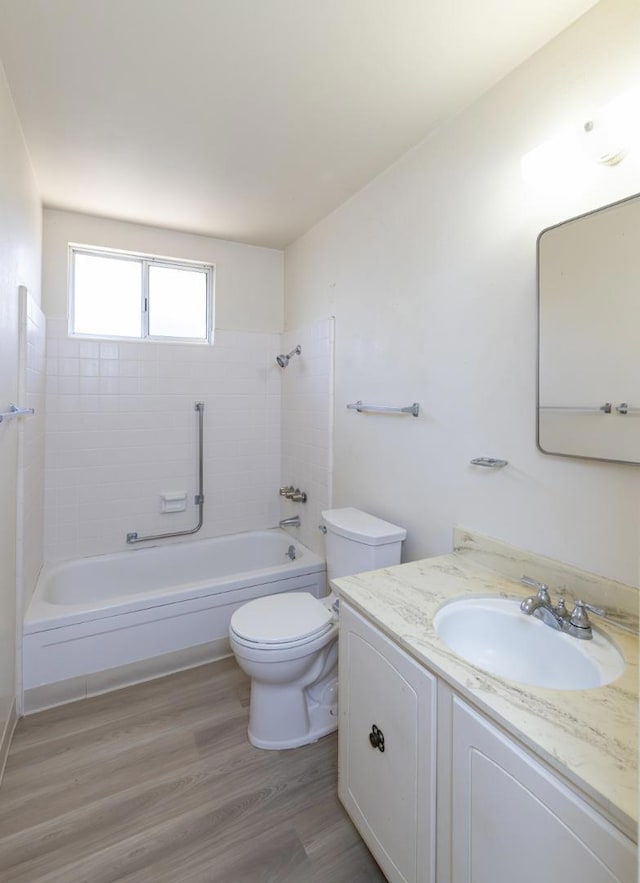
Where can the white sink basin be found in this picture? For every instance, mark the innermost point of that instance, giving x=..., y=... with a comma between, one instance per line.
x=494, y=635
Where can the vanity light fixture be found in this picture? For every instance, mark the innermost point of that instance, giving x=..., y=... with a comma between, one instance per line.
x=604, y=145
x=560, y=164
x=614, y=130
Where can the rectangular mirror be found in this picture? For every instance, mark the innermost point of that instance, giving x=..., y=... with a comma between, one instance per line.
x=589, y=335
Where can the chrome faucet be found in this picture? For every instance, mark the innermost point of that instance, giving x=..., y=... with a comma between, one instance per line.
x=293, y=493
x=540, y=599
x=294, y=521
x=540, y=605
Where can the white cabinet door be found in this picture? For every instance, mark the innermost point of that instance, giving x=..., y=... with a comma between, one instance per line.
x=513, y=821
x=389, y=793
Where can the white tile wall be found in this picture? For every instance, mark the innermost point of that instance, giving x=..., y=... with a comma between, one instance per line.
x=122, y=429
x=30, y=520
x=307, y=426
x=31, y=456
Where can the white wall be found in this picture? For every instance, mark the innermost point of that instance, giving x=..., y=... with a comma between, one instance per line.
x=121, y=424
x=20, y=239
x=430, y=272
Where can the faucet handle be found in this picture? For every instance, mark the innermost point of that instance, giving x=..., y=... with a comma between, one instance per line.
x=580, y=617
x=542, y=589
x=561, y=609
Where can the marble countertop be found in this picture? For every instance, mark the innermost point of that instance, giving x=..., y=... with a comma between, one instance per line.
x=589, y=736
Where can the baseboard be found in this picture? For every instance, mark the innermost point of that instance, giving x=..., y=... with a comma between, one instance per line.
x=73, y=689
x=7, y=736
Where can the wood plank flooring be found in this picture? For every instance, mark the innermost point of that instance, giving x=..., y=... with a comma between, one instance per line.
x=159, y=784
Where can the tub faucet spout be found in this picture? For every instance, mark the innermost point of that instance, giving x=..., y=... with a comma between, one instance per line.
x=294, y=521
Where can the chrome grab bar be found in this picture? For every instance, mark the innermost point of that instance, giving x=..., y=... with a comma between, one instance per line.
x=15, y=411
x=198, y=500
x=383, y=409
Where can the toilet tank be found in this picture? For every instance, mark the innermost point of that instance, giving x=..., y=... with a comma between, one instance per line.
x=356, y=541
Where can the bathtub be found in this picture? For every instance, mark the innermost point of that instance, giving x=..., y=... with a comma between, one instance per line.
x=99, y=623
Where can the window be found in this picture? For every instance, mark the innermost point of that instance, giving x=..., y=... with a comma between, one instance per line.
x=113, y=294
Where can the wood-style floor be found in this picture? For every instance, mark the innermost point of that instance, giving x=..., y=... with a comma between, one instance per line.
x=158, y=783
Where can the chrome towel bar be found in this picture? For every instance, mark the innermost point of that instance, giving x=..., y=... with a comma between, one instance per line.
x=580, y=409
x=383, y=409
x=15, y=411
x=623, y=408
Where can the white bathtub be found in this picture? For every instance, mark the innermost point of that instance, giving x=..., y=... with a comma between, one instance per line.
x=150, y=610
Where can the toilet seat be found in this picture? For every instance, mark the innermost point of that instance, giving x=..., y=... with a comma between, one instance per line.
x=290, y=619
x=266, y=649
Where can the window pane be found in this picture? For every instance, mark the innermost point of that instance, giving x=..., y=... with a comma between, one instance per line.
x=107, y=296
x=177, y=302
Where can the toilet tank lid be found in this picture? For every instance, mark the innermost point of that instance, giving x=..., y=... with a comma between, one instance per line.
x=362, y=527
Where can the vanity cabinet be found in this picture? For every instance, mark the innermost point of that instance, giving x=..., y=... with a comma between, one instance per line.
x=501, y=815
x=387, y=750
x=513, y=819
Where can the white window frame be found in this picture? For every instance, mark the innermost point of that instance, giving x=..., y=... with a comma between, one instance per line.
x=146, y=261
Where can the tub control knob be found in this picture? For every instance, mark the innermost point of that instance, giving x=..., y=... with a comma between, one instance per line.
x=376, y=738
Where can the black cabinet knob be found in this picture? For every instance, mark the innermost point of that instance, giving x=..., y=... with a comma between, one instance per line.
x=376, y=738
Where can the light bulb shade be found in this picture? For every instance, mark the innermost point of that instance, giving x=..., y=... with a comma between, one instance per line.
x=605, y=142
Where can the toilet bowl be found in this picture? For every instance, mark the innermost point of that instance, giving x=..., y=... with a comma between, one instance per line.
x=287, y=645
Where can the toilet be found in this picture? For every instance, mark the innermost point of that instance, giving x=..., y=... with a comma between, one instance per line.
x=288, y=643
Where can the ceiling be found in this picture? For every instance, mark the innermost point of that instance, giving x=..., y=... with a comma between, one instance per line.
x=247, y=119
